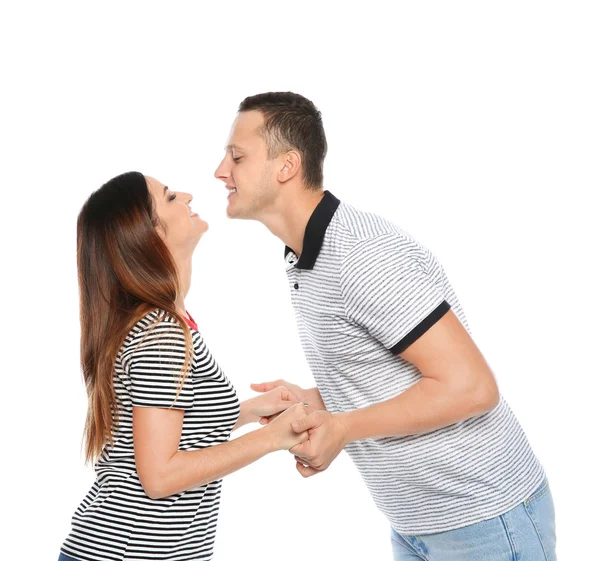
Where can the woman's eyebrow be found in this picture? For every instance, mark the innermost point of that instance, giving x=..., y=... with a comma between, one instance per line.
x=165, y=190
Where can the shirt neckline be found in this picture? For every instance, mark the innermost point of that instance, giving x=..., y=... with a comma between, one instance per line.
x=315, y=231
x=190, y=321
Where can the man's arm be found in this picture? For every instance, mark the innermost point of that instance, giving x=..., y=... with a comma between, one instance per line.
x=457, y=384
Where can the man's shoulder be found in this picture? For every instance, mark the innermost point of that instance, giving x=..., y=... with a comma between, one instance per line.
x=361, y=229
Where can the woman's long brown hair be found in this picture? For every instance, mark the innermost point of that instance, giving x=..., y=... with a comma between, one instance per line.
x=125, y=271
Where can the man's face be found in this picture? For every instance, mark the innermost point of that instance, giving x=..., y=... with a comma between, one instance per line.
x=249, y=175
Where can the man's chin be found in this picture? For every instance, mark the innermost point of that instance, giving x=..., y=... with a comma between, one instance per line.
x=237, y=213
x=231, y=213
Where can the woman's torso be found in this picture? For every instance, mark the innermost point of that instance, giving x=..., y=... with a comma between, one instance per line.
x=117, y=520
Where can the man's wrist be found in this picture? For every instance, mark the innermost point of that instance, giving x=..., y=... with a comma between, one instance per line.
x=345, y=422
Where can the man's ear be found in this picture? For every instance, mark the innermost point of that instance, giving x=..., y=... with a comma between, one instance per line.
x=292, y=164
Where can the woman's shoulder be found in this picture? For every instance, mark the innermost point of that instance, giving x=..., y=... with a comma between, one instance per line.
x=153, y=334
x=155, y=324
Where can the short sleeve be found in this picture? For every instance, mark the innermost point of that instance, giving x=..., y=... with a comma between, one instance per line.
x=388, y=290
x=155, y=368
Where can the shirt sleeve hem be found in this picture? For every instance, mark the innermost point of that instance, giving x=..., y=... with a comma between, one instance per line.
x=421, y=328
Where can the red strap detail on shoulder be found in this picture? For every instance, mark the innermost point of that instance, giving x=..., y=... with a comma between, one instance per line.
x=190, y=321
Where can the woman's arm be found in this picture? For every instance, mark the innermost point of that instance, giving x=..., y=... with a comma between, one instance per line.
x=245, y=415
x=164, y=470
x=312, y=396
x=278, y=399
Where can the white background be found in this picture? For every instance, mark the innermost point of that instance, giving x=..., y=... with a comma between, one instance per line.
x=473, y=125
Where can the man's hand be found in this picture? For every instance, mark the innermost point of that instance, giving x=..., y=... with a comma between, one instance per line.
x=326, y=439
x=311, y=396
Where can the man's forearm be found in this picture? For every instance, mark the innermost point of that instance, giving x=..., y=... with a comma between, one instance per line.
x=426, y=406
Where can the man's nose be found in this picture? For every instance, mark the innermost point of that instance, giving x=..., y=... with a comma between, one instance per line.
x=222, y=172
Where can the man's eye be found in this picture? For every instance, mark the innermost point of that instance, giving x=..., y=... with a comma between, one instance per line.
x=236, y=160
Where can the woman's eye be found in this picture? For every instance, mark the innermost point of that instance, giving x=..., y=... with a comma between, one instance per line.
x=172, y=197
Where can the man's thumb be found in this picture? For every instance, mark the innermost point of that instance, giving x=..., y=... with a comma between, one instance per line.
x=303, y=424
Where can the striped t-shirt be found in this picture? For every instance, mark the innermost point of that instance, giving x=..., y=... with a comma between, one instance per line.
x=363, y=290
x=117, y=520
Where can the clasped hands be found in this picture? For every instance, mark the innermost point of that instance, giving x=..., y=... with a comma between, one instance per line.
x=324, y=433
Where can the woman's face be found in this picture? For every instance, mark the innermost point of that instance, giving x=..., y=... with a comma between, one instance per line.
x=180, y=227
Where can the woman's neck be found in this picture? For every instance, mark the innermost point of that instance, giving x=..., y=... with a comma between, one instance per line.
x=184, y=270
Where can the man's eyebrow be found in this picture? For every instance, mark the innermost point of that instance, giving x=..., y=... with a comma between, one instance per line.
x=232, y=146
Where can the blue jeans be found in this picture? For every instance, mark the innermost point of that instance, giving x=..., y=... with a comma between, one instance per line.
x=63, y=557
x=525, y=533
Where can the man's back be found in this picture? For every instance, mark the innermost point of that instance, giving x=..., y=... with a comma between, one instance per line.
x=363, y=291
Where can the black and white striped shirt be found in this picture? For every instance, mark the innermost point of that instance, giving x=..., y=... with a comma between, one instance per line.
x=117, y=520
x=363, y=290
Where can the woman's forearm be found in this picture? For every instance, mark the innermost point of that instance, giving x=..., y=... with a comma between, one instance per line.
x=246, y=415
x=314, y=399
x=189, y=469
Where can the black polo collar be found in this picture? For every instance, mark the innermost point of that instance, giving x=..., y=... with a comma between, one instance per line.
x=315, y=231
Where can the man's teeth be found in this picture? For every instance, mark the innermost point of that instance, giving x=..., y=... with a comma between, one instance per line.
x=232, y=191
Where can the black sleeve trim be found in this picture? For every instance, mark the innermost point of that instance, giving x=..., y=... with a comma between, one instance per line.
x=420, y=329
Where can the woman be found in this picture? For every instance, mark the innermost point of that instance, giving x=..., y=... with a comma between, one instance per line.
x=160, y=409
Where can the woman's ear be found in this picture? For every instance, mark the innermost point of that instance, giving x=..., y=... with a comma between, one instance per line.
x=159, y=228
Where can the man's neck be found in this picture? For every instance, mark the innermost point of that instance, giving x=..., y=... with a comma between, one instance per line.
x=289, y=216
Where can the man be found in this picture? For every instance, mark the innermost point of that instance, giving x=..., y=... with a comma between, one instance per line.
x=400, y=383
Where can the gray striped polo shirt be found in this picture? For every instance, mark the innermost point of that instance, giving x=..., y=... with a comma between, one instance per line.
x=363, y=290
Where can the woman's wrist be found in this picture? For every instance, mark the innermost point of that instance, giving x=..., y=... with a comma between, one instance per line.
x=246, y=414
x=314, y=399
x=270, y=438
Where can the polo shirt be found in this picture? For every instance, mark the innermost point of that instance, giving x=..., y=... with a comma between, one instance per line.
x=363, y=291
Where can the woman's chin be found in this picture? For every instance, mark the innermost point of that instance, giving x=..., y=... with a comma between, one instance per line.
x=202, y=226
x=202, y=231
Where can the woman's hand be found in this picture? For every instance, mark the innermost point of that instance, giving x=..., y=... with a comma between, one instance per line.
x=312, y=396
x=280, y=428
x=266, y=405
